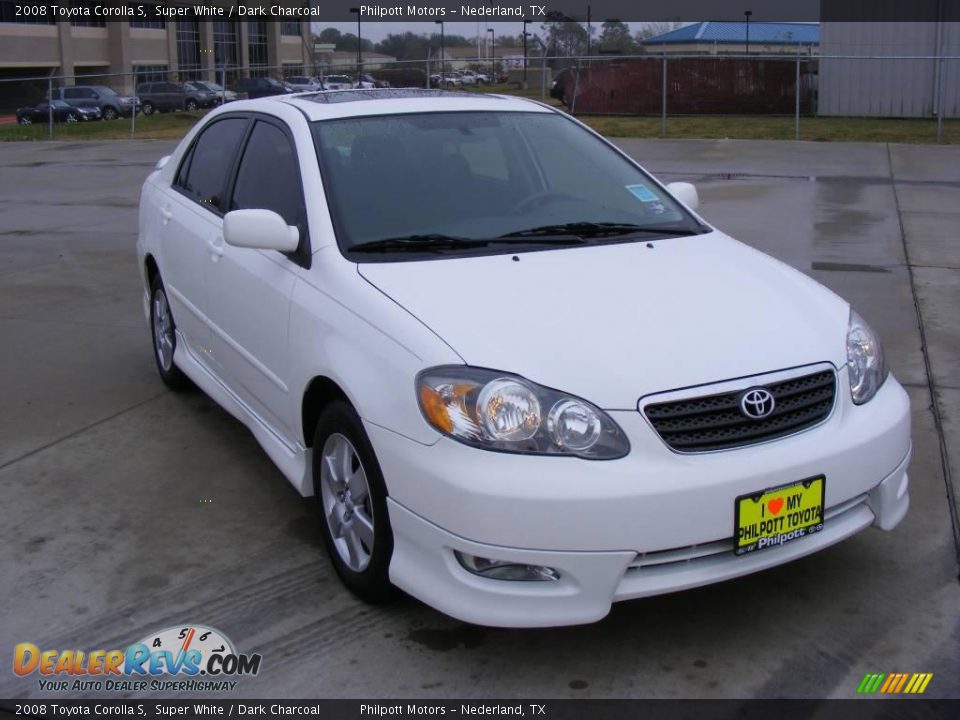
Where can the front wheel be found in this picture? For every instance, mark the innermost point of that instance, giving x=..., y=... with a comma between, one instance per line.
x=148, y=108
x=191, y=105
x=164, y=332
x=25, y=120
x=109, y=113
x=352, y=501
x=72, y=118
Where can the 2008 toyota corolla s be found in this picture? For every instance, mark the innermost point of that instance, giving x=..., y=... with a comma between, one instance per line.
x=523, y=378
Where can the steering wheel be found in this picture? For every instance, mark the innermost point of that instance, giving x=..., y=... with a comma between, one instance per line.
x=540, y=198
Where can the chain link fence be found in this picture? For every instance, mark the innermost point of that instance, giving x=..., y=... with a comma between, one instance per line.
x=669, y=86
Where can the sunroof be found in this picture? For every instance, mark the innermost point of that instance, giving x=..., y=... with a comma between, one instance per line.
x=338, y=96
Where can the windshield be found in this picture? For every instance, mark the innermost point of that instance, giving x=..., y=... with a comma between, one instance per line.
x=477, y=176
x=103, y=90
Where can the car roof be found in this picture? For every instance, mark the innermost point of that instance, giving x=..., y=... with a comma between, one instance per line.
x=331, y=104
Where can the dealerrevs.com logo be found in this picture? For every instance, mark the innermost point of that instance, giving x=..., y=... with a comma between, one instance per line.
x=186, y=658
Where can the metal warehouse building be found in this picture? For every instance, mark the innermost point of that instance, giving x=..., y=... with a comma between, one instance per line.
x=887, y=85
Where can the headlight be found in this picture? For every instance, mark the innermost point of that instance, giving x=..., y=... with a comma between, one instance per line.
x=866, y=366
x=499, y=411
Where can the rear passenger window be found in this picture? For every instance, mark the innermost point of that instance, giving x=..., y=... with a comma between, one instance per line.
x=203, y=175
x=269, y=178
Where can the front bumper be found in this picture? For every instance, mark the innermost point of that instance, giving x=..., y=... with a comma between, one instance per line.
x=649, y=523
x=424, y=565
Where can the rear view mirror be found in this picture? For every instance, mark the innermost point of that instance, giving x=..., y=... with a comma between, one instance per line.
x=259, y=229
x=685, y=193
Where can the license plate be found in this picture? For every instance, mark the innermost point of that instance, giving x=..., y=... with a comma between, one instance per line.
x=779, y=515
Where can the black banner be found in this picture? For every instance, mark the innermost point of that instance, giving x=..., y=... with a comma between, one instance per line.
x=429, y=11
x=904, y=709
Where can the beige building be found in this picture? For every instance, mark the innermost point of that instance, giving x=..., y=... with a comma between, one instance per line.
x=180, y=49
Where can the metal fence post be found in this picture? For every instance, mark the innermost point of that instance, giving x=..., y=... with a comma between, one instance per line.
x=663, y=98
x=796, y=92
x=50, y=108
x=133, y=110
x=940, y=104
x=576, y=87
x=543, y=76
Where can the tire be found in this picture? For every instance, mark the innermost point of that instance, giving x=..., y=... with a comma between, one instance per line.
x=163, y=332
x=191, y=105
x=354, y=513
x=147, y=108
x=72, y=118
x=25, y=120
x=109, y=113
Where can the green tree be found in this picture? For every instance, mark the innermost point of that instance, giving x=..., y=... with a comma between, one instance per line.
x=615, y=37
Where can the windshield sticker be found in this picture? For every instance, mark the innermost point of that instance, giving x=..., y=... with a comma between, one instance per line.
x=642, y=192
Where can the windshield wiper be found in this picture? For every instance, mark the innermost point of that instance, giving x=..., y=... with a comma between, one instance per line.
x=435, y=242
x=599, y=229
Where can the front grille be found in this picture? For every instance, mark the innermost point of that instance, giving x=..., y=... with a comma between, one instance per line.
x=714, y=422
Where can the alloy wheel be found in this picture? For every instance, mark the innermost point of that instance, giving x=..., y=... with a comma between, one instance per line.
x=346, y=502
x=162, y=330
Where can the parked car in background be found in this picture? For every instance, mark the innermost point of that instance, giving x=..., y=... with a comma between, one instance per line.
x=479, y=78
x=222, y=94
x=199, y=96
x=302, y=83
x=108, y=101
x=256, y=87
x=62, y=112
x=365, y=82
x=448, y=80
x=337, y=82
x=164, y=96
x=467, y=77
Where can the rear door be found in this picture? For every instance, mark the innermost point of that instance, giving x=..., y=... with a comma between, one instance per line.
x=191, y=220
x=250, y=290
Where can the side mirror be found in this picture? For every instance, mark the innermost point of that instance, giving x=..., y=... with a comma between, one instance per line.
x=259, y=229
x=685, y=193
x=162, y=162
x=96, y=96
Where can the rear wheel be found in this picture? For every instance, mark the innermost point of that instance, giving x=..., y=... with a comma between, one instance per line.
x=191, y=105
x=164, y=332
x=352, y=501
x=109, y=113
x=147, y=108
x=72, y=118
x=25, y=120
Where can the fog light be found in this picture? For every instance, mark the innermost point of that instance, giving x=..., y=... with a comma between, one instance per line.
x=505, y=570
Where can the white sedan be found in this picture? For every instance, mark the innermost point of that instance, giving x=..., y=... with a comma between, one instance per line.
x=531, y=381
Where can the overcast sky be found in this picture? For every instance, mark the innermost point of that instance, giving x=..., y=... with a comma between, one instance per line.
x=377, y=31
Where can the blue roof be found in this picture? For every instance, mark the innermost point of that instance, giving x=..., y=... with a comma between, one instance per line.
x=736, y=32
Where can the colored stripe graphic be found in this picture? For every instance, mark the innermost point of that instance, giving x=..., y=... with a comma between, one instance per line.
x=895, y=683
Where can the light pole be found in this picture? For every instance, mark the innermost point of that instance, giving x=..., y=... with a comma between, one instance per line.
x=359, y=59
x=443, y=54
x=525, y=33
x=493, y=55
x=748, y=13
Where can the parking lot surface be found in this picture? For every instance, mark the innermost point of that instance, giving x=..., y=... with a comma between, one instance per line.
x=127, y=509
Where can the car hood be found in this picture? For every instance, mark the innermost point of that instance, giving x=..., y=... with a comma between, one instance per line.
x=613, y=323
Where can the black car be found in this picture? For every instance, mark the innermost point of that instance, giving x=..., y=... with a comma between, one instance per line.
x=110, y=103
x=62, y=112
x=161, y=96
x=260, y=87
x=199, y=95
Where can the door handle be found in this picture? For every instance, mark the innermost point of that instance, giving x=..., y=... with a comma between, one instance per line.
x=166, y=214
x=216, y=248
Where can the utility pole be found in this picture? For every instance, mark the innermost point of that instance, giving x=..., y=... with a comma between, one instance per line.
x=525, y=33
x=359, y=44
x=443, y=54
x=748, y=13
x=493, y=55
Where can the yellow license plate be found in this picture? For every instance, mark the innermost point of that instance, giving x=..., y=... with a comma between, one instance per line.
x=773, y=517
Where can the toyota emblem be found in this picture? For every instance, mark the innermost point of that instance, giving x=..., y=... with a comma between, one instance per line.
x=757, y=403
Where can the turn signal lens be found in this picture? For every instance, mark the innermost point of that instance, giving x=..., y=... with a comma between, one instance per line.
x=505, y=570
